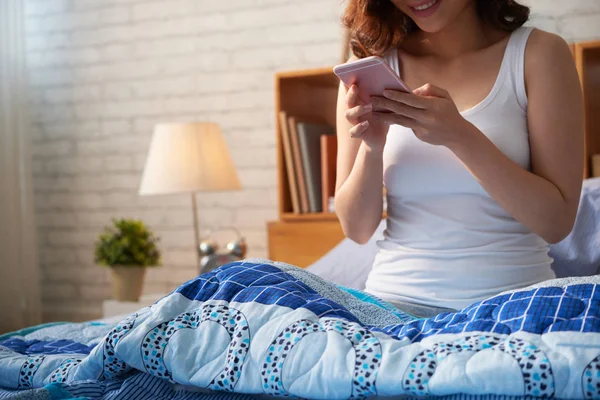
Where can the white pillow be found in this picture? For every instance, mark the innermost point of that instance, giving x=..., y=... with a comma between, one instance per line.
x=349, y=263
x=579, y=253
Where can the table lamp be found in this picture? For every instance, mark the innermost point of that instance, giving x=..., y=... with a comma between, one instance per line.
x=188, y=158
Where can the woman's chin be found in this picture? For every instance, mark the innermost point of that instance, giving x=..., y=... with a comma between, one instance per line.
x=436, y=18
x=432, y=26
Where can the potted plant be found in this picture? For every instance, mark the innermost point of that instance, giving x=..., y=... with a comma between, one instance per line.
x=127, y=247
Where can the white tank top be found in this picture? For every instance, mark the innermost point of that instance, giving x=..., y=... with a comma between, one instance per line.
x=447, y=243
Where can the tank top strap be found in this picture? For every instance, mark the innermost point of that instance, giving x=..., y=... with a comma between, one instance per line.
x=515, y=59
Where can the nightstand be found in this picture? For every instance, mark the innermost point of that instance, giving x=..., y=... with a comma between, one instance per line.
x=112, y=308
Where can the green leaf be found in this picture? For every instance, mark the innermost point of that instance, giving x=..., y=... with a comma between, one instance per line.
x=127, y=242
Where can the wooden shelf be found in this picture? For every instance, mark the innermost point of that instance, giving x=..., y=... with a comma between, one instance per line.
x=302, y=243
x=587, y=59
x=309, y=94
x=300, y=239
x=291, y=217
x=327, y=216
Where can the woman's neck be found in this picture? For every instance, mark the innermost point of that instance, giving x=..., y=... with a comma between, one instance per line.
x=467, y=33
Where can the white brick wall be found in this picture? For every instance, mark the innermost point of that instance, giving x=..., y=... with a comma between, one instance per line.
x=103, y=72
x=575, y=20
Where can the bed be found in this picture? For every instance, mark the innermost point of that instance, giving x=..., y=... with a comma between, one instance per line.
x=264, y=329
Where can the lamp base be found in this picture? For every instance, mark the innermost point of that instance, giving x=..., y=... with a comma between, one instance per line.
x=196, y=233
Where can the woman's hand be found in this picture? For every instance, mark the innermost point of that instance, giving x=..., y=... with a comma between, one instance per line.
x=371, y=132
x=429, y=111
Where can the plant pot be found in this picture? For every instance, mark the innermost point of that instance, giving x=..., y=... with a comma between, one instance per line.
x=127, y=282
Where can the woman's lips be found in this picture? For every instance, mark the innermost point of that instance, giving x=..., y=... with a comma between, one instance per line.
x=425, y=8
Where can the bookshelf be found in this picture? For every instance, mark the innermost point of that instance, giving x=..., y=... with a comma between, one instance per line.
x=307, y=95
x=301, y=238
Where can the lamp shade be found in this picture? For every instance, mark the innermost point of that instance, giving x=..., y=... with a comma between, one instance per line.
x=188, y=157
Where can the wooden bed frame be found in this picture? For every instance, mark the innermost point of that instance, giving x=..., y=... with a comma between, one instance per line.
x=301, y=239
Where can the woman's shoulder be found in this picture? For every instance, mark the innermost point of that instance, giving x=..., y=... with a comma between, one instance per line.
x=545, y=47
x=549, y=65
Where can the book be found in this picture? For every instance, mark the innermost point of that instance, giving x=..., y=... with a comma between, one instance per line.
x=309, y=139
x=328, y=170
x=298, y=165
x=289, y=162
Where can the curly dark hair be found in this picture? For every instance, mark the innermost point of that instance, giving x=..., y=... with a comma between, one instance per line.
x=377, y=25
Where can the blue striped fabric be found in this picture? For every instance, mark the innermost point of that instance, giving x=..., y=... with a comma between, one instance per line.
x=146, y=387
x=7, y=394
x=137, y=387
x=143, y=386
x=140, y=387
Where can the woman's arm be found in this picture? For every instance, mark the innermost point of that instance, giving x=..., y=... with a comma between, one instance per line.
x=359, y=177
x=546, y=199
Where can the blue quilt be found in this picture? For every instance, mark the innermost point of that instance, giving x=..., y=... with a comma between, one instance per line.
x=261, y=327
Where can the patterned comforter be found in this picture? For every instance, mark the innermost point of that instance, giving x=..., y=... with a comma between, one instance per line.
x=261, y=327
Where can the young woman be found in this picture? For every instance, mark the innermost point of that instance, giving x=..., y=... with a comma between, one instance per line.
x=482, y=163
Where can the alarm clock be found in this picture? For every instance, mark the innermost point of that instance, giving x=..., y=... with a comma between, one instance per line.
x=211, y=258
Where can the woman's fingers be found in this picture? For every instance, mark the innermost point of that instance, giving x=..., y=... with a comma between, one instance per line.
x=409, y=99
x=429, y=90
x=398, y=107
x=352, y=99
x=353, y=114
x=357, y=131
x=356, y=110
x=390, y=118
